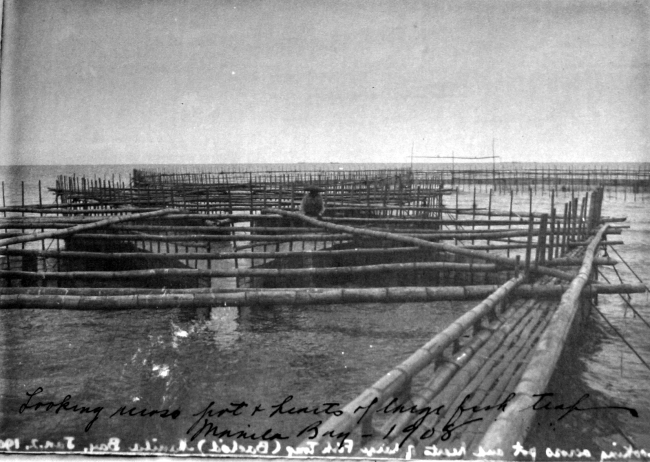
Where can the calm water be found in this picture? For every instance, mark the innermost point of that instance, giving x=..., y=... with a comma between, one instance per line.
x=185, y=359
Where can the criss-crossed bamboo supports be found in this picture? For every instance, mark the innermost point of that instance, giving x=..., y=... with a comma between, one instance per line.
x=504, y=261
x=513, y=424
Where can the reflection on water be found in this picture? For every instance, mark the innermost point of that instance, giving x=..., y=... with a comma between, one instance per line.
x=224, y=323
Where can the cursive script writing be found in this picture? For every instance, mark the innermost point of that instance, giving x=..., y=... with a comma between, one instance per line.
x=63, y=405
x=545, y=404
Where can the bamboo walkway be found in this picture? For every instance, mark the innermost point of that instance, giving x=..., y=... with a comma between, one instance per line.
x=237, y=238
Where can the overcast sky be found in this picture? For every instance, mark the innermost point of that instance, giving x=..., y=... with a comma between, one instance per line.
x=132, y=81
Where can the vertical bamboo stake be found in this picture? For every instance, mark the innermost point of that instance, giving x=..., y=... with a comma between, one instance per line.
x=250, y=179
x=582, y=220
x=529, y=246
x=517, y=265
x=489, y=214
x=551, y=237
x=40, y=206
x=4, y=212
x=564, y=229
x=385, y=203
x=473, y=212
x=541, y=241
x=569, y=225
x=509, y=224
x=22, y=201
x=574, y=219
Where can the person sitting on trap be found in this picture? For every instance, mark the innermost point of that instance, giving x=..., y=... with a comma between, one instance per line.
x=312, y=203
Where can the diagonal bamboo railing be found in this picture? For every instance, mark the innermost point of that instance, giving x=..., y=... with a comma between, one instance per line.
x=513, y=424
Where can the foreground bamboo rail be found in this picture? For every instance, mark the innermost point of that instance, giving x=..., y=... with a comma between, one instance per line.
x=120, y=299
x=216, y=239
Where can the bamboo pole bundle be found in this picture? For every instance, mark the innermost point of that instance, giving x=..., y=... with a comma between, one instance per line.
x=452, y=384
x=512, y=425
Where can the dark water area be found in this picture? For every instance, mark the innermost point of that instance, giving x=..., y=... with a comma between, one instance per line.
x=117, y=363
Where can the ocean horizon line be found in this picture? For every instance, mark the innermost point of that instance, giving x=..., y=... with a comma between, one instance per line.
x=487, y=163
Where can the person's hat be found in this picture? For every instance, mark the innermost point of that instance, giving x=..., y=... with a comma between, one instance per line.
x=314, y=188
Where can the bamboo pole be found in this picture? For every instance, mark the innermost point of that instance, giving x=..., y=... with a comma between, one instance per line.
x=118, y=298
x=79, y=228
x=71, y=254
x=253, y=272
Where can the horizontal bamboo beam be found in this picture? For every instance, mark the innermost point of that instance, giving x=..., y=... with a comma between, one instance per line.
x=88, y=210
x=86, y=227
x=253, y=272
x=214, y=237
x=408, y=220
x=72, y=254
x=107, y=298
x=271, y=254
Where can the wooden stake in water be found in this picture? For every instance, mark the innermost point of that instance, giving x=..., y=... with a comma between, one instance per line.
x=40, y=206
x=489, y=213
x=541, y=241
x=473, y=212
x=509, y=223
x=529, y=246
x=22, y=196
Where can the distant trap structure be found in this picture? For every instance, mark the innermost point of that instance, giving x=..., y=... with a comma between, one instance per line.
x=214, y=239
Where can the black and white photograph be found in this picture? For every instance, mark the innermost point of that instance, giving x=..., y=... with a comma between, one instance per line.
x=325, y=229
